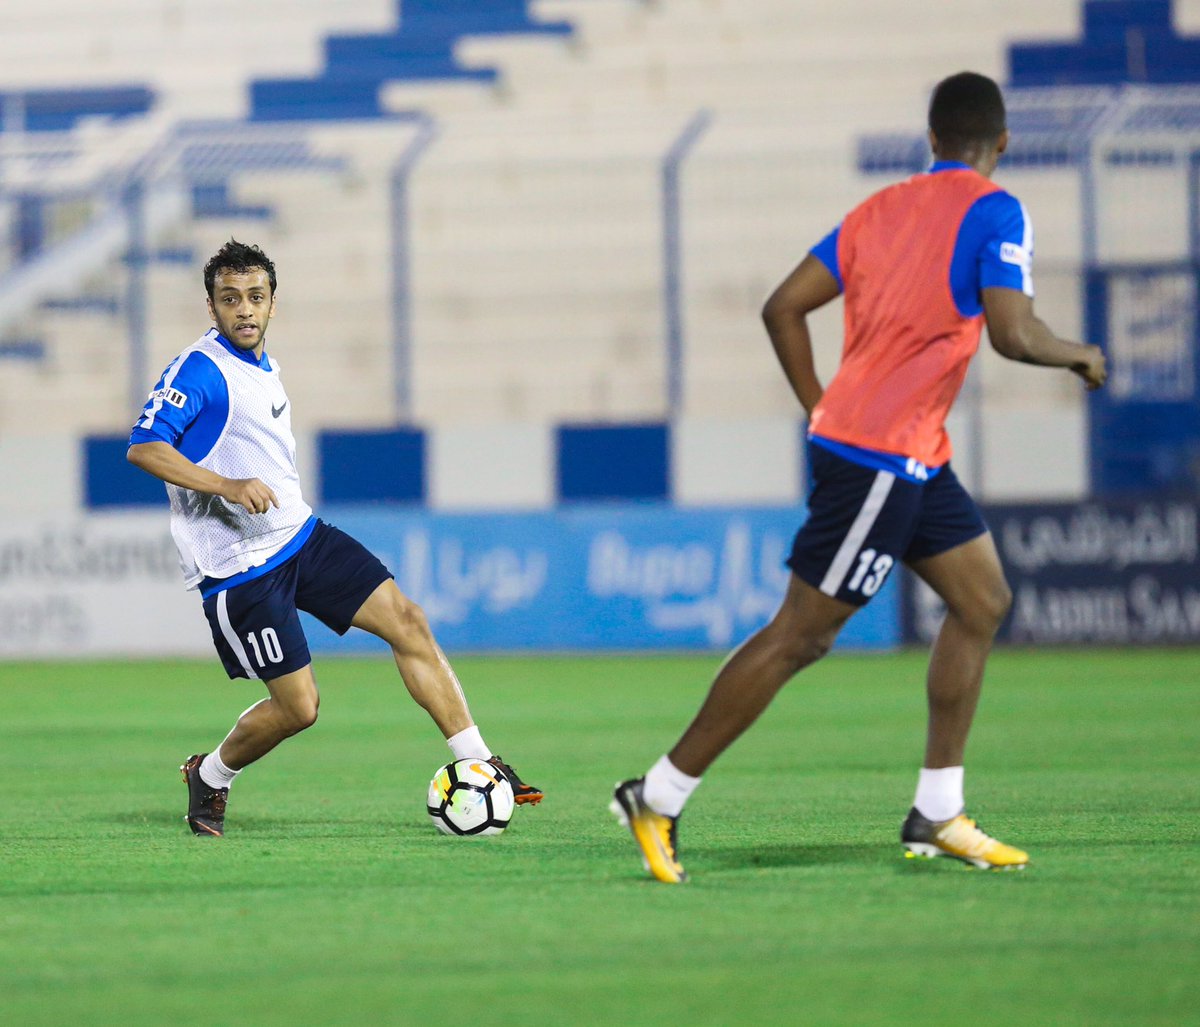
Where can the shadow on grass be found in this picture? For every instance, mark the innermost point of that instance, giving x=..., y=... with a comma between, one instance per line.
x=761, y=857
x=172, y=822
x=172, y=818
x=328, y=827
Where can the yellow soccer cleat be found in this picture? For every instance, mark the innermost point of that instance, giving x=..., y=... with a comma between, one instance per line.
x=958, y=838
x=654, y=833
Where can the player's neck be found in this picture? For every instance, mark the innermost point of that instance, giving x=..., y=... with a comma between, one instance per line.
x=982, y=161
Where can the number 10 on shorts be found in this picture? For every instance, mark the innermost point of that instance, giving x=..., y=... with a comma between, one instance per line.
x=871, y=572
x=269, y=646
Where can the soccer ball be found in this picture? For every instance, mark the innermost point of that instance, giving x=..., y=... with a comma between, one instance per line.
x=470, y=797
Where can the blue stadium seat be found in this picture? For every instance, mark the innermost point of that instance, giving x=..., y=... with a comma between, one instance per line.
x=99, y=303
x=403, y=56
x=59, y=110
x=379, y=59
x=213, y=200
x=1118, y=15
x=452, y=18
x=32, y=351
x=1173, y=61
x=1123, y=41
x=283, y=99
x=1053, y=64
x=421, y=48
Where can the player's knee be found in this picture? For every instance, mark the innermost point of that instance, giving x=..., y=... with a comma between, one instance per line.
x=803, y=650
x=410, y=626
x=816, y=647
x=988, y=607
x=301, y=714
x=307, y=714
x=993, y=604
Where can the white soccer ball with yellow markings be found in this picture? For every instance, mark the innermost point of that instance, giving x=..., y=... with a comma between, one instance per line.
x=470, y=797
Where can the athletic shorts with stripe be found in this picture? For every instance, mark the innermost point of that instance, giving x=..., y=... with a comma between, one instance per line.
x=256, y=625
x=863, y=521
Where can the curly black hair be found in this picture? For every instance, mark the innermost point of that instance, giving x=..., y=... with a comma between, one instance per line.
x=238, y=257
x=966, y=110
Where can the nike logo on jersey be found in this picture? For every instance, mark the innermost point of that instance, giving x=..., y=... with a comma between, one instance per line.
x=276, y=413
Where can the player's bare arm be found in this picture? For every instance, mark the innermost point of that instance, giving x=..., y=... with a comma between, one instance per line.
x=785, y=315
x=1017, y=333
x=166, y=462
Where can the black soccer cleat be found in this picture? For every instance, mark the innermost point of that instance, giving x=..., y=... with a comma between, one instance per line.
x=522, y=793
x=206, y=805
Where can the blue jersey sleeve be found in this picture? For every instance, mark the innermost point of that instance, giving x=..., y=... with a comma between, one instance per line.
x=994, y=248
x=187, y=409
x=826, y=251
x=1007, y=257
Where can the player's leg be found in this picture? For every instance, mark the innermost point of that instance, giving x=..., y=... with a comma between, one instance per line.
x=389, y=614
x=970, y=580
x=290, y=708
x=257, y=632
x=345, y=585
x=800, y=633
x=859, y=521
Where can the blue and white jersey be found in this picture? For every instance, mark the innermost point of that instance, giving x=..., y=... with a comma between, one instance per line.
x=225, y=410
x=994, y=247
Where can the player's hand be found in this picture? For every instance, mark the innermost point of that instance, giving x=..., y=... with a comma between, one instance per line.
x=1093, y=368
x=252, y=495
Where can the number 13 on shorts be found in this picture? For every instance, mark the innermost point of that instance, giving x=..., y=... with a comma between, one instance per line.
x=870, y=572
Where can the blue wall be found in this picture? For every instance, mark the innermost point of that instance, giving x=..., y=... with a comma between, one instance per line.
x=613, y=461
x=365, y=466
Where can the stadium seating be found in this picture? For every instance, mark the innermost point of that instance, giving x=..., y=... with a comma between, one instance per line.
x=421, y=47
x=530, y=218
x=56, y=110
x=1122, y=41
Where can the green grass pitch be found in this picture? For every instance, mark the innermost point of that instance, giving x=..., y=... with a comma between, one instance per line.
x=332, y=900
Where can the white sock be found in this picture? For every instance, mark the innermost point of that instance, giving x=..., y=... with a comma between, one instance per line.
x=940, y=793
x=667, y=788
x=214, y=773
x=468, y=743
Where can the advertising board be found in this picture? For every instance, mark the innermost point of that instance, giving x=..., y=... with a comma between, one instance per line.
x=622, y=577
x=1109, y=573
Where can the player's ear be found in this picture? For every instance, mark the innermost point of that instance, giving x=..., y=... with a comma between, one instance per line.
x=1002, y=142
x=933, y=143
x=212, y=311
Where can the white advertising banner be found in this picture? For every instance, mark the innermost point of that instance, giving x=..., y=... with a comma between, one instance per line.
x=96, y=585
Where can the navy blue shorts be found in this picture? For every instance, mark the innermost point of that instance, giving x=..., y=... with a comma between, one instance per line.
x=256, y=625
x=862, y=522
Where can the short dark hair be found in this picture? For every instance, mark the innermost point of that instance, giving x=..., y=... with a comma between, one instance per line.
x=965, y=110
x=238, y=257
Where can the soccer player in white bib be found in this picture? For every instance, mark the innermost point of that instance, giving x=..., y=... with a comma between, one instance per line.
x=218, y=430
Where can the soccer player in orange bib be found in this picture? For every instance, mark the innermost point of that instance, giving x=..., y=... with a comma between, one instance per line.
x=922, y=265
